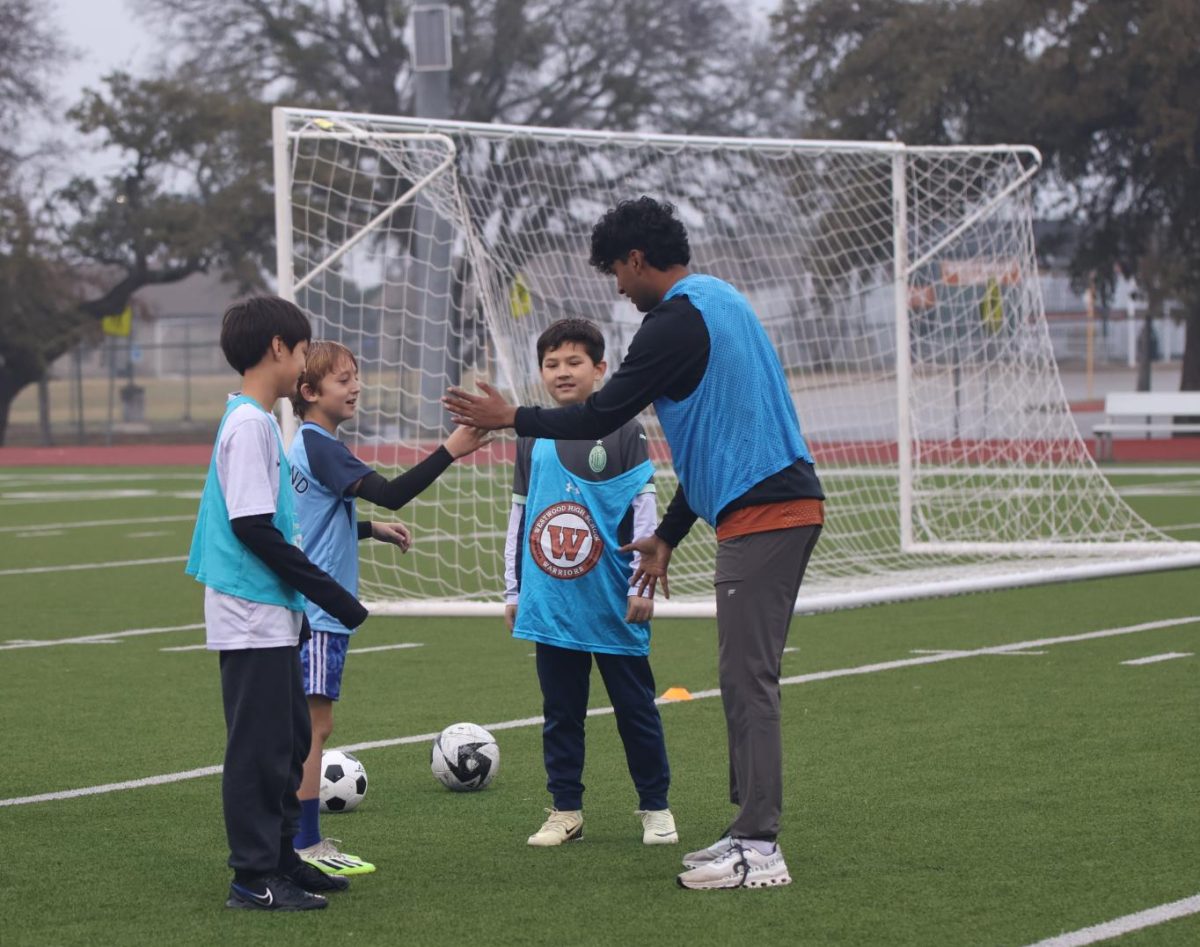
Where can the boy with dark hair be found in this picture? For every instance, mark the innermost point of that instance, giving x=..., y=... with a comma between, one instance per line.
x=704, y=361
x=327, y=477
x=256, y=579
x=574, y=503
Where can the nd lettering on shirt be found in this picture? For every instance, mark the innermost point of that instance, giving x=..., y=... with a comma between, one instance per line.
x=574, y=585
x=323, y=470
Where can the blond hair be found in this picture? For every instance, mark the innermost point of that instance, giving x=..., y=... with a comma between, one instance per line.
x=324, y=357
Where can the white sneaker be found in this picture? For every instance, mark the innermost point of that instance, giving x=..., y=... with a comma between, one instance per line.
x=740, y=867
x=706, y=855
x=658, y=827
x=560, y=827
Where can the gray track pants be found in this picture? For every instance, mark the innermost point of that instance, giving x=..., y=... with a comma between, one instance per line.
x=757, y=579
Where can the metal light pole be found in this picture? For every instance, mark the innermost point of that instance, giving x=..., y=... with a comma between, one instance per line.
x=432, y=243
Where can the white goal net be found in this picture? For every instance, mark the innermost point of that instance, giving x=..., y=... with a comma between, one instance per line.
x=897, y=284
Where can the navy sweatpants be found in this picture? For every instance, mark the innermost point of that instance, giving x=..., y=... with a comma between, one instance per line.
x=565, y=677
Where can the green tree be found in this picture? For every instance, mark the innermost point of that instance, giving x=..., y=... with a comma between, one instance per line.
x=191, y=193
x=37, y=319
x=1105, y=88
x=676, y=65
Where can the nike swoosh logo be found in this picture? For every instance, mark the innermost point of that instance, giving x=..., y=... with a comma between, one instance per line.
x=266, y=900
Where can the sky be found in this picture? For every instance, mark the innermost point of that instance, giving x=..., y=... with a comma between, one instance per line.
x=104, y=34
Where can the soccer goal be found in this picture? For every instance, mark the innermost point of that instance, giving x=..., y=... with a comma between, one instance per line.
x=898, y=285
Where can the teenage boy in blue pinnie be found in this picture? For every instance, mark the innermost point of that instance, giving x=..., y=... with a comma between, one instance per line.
x=327, y=478
x=567, y=589
x=256, y=579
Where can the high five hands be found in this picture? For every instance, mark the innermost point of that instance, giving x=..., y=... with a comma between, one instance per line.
x=488, y=412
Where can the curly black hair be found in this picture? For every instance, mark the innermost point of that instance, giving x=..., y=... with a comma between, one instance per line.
x=643, y=224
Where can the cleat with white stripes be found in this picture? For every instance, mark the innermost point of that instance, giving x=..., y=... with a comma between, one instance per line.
x=325, y=856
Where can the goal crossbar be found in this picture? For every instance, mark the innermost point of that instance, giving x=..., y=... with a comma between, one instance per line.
x=898, y=285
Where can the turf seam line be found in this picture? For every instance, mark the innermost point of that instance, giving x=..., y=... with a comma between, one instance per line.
x=1123, y=925
x=603, y=711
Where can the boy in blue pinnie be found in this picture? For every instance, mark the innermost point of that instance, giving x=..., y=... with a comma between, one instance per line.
x=575, y=503
x=327, y=478
x=244, y=550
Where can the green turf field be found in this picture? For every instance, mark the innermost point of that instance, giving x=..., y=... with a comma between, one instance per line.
x=937, y=792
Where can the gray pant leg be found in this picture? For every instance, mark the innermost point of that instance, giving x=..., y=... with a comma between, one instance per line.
x=757, y=579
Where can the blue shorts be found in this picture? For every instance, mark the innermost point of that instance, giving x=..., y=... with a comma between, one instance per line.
x=322, y=659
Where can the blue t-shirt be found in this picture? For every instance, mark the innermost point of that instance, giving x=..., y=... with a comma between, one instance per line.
x=323, y=470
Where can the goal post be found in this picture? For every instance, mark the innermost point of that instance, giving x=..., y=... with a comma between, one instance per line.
x=897, y=284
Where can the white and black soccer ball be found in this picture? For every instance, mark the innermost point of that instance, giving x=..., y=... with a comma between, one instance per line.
x=343, y=781
x=465, y=757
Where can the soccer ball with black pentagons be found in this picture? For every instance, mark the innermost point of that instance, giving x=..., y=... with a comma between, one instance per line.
x=343, y=781
x=465, y=757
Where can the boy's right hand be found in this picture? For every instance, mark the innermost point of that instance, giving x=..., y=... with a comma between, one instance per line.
x=510, y=616
x=464, y=440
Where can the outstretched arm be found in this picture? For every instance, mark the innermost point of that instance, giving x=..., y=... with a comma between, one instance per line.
x=668, y=356
x=395, y=493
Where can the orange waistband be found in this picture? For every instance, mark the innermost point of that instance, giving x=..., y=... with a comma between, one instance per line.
x=762, y=519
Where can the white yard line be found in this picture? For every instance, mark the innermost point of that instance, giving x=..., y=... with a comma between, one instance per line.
x=1181, y=528
x=94, y=565
x=90, y=477
x=71, y=496
x=1123, y=925
x=79, y=524
x=102, y=637
x=1184, y=488
x=945, y=651
x=388, y=647
x=187, y=647
x=601, y=711
x=1155, y=658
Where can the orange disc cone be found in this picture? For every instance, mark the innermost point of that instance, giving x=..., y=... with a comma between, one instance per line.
x=677, y=693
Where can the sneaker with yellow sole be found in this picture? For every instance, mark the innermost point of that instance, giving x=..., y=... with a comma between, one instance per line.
x=561, y=826
x=325, y=856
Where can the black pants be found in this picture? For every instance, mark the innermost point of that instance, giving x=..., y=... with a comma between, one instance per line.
x=269, y=733
x=565, y=677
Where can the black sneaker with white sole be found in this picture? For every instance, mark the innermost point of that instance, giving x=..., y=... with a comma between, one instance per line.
x=273, y=894
x=313, y=880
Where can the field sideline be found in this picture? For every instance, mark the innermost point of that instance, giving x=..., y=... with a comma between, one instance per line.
x=999, y=768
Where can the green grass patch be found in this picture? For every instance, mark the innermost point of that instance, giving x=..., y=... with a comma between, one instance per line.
x=988, y=799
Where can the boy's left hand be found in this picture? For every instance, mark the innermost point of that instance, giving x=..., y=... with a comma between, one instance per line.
x=395, y=533
x=640, y=609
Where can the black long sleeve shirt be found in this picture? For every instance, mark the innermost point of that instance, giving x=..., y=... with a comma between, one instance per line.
x=258, y=534
x=667, y=358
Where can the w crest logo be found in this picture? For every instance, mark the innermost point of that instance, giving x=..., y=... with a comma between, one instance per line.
x=564, y=542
